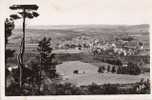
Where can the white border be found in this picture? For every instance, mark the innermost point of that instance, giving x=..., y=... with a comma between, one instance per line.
x=90, y=97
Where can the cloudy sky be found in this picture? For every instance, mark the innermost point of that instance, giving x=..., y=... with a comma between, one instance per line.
x=57, y=12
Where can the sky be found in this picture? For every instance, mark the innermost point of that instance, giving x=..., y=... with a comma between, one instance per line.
x=73, y=12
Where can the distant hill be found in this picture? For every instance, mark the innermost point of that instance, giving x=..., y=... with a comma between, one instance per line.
x=65, y=32
x=118, y=28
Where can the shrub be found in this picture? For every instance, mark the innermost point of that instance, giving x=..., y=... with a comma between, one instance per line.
x=62, y=89
x=13, y=90
x=95, y=89
x=131, y=69
x=101, y=69
x=110, y=89
x=142, y=87
x=113, y=69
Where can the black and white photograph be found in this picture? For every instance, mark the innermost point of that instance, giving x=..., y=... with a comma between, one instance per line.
x=76, y=47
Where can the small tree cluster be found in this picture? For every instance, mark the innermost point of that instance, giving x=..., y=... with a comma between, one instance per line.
x=9, y=26
x=131, y=69
x=47, y=58
x=112, y=61
x=142, y=87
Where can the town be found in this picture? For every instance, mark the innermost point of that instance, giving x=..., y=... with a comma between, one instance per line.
x=119, y=47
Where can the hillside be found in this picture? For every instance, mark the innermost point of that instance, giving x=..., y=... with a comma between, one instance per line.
x=107, y=32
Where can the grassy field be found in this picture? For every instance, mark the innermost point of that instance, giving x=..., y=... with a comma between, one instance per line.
x=89, y=74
